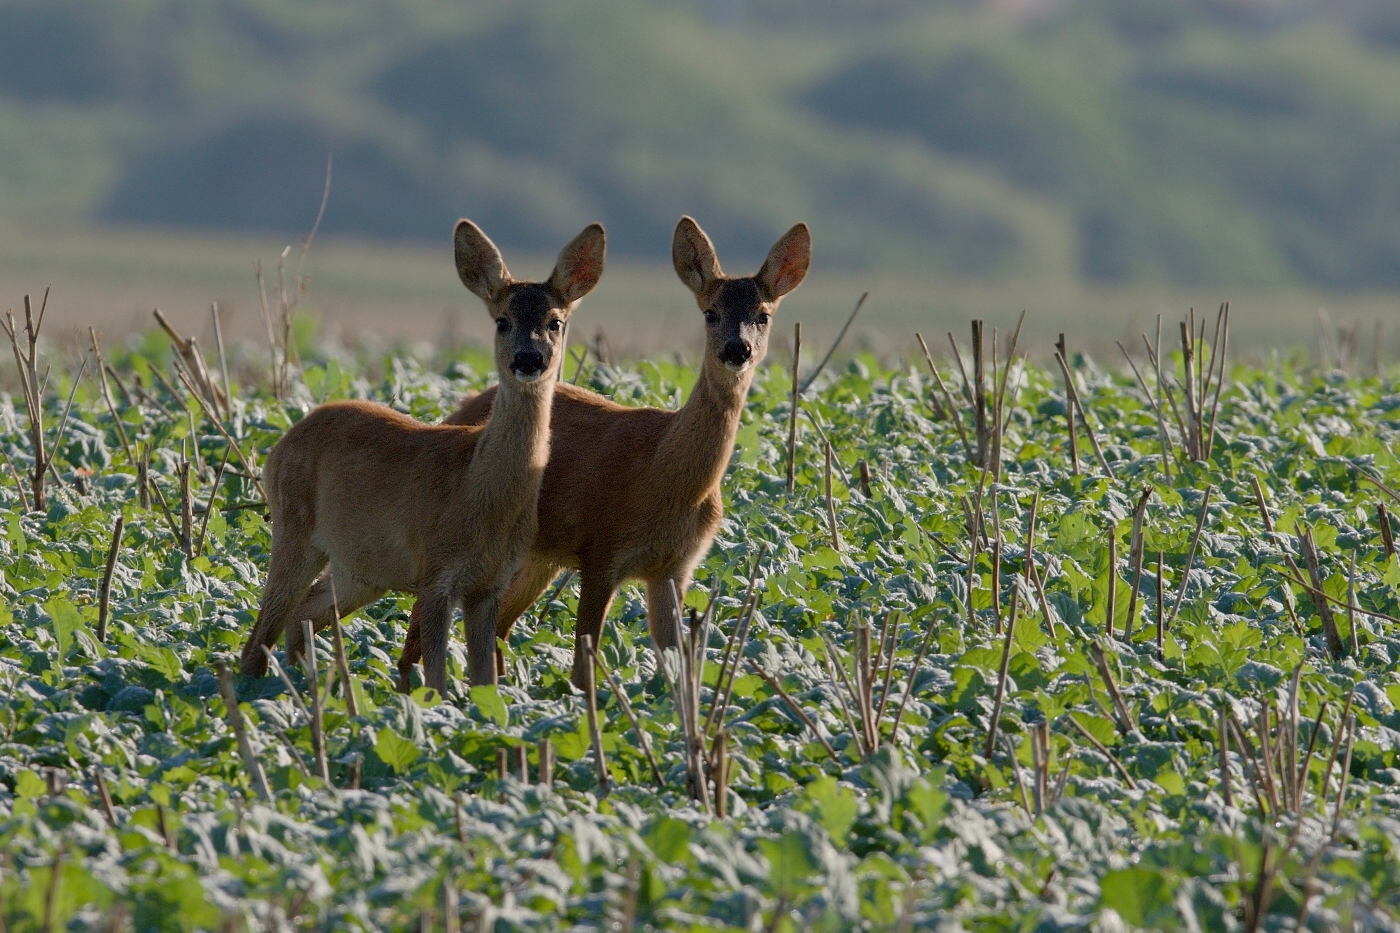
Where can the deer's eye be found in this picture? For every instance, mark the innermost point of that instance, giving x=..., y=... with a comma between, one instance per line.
x=556, y=325
x=711, y=317
x=763, y=320
x=502, y=325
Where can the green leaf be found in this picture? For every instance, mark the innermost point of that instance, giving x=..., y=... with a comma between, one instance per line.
x=488, y=702
x=1141, y=896
x=790, y=862
x=67, y=622
x=669, y=839
x=16, y=531
x=395, y=751
x=833, y=807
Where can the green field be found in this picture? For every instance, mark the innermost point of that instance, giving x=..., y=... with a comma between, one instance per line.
x=1101, y=803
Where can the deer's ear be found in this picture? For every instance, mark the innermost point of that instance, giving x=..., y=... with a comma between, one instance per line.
x=479, y=262
x=694, y=257
x=787, y=262
x=580, y=265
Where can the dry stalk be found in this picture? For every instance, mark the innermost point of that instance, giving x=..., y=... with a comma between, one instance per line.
x=952, y=408
x=830, y=508
x=1120, y=708
x=591, y=697
x=318, y=735
x=796, y=405
x=631, y=715
x=1335, y=647
x=909, y=685
x=104, y=592
x=1135, y=547
x=1110, y=604
x=1191, y=555
x=839, y=337
x=342, y=664
x=1061, y=353
x=1083, y=416
x=1103, y=750
x=245, y=747
x=1002, y=673
x=792, y=705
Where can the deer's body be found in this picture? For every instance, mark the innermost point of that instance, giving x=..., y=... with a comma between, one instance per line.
x=635, y=493
x=446, y=512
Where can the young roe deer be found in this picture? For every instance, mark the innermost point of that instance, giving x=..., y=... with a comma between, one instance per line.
x=634, y=493
x=446, y=512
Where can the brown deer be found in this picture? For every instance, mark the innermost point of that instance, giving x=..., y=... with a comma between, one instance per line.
x=446, y=512
x=634, y=493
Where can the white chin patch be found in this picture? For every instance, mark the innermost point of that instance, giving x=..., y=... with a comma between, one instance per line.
x=527, y=378
x=736, y=367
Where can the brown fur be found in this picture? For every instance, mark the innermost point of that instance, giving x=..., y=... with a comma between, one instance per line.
x=634, y=493
x=446, y=512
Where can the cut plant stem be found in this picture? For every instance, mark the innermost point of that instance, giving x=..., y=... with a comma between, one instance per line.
x=1063, y=353
x=245, y=747
x=792, y=705
x=1112, y=595
x=830, y=508
x=313, y=687
x=1387, y=536
x=1190, y=556
x=796, y=405
x=1335, y=646
x=1083, y=417
x=948, y=398
x=1002, y=673
x=909, y=685
x=104, y=592
x=839, y=337
x=352, y=706
x=1161, y=617
x=590, y=693
x=545, y=770
x=630, y=714
x=1103, y=750
x=1135, y=547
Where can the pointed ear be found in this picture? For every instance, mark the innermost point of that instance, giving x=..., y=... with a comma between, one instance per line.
x=479, y=263
x=787, y=262
x=694, y=257
x=580, y=265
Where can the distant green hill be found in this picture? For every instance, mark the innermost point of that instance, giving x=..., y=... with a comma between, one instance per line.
x=1117, y=140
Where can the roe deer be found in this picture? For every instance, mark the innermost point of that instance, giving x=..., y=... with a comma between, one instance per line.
x=634, y=493
x=443, y=511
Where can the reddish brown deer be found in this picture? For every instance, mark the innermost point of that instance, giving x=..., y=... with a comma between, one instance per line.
x=634, y=493
x=446, y=512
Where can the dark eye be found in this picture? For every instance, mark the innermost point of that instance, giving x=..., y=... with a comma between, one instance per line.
x=556, y=325
x=711, y=317
x=763, y=320
x=502, y=325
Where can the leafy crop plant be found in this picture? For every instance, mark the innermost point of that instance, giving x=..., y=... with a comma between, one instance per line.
x=922, y=690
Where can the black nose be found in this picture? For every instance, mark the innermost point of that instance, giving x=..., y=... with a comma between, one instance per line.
x=736, y=351
x=528, y=362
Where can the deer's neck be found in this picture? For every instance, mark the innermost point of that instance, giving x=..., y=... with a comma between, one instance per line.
x=696, y=448
x=513, y=448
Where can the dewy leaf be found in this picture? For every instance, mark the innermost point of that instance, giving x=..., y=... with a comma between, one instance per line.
x=395, y=751
x=67, y=621
x=17, y=534
x=488, y=702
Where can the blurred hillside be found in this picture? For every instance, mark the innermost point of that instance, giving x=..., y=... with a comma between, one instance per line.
x=1243, y=142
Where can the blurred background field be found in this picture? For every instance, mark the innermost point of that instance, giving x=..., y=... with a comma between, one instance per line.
x=1096, y=162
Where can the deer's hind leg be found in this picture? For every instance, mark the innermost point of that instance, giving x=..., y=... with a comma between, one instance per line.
x=294, y=566
x=321, y=603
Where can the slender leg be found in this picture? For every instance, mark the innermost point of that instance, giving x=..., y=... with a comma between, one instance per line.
x=661, y=612
x=479, y=615
x=532, y=579
x=525, y=588
x=294, y=566
x=435, y=608
x=594, y=600
x=319, y=606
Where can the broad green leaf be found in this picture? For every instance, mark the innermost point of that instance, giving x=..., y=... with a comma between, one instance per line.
x=395, y=751
x=67, y=621
x=669, y=839
x=833, y=807
x=489, y=703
